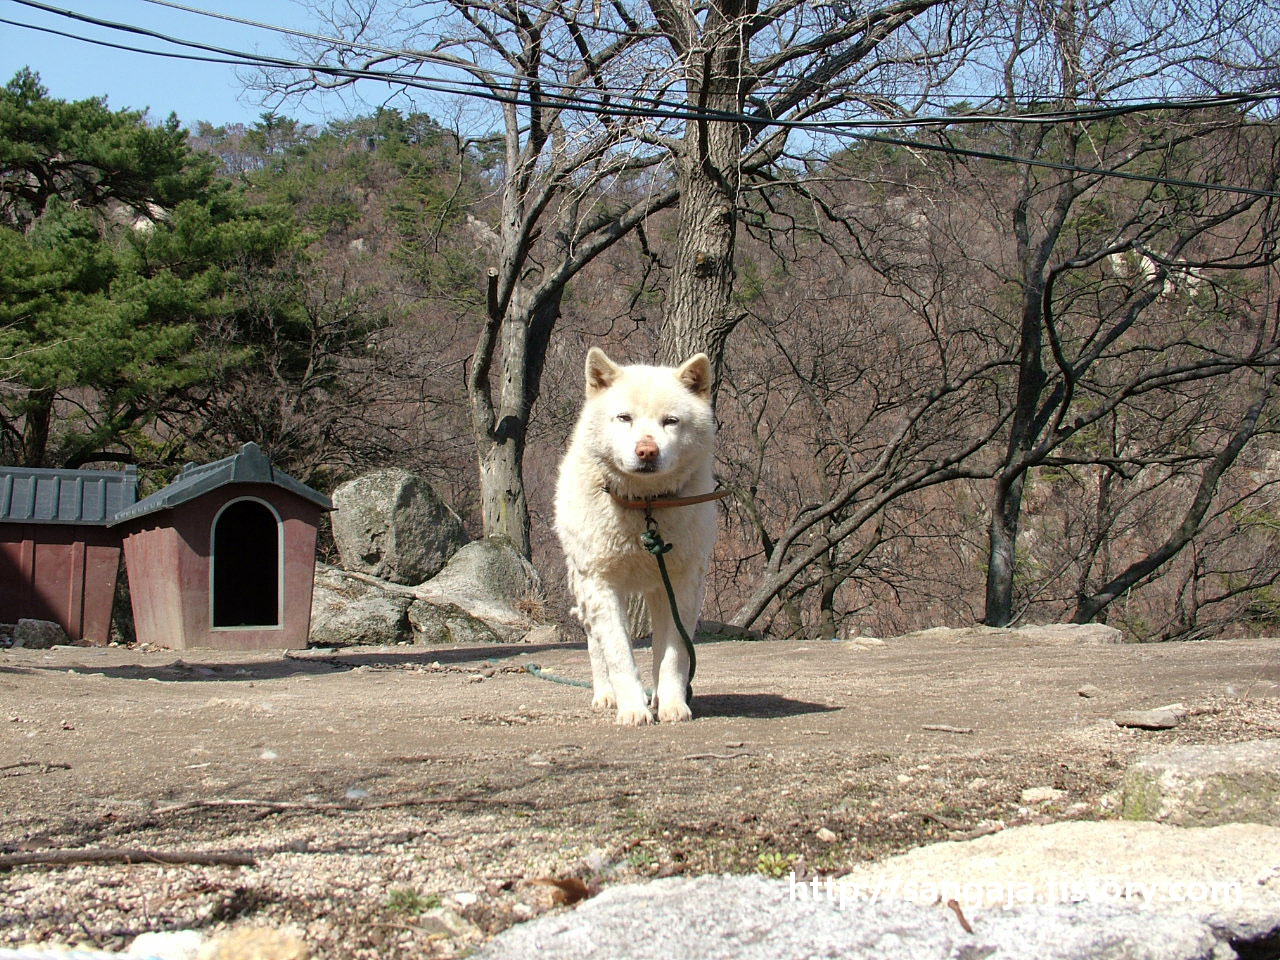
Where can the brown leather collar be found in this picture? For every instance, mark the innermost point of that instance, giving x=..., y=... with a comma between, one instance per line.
x=661, y=503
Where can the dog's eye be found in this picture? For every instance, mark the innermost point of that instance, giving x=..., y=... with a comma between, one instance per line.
x=624, y=418
x=670, y=421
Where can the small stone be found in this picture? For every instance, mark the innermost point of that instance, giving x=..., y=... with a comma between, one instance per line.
x=826, y=835
x=465, y=898
x=978, y=783
x=1161, y=718
x=1089, y=691
x=442, y=921
x=170, y=945
x=255, y=943
x=1042, y=795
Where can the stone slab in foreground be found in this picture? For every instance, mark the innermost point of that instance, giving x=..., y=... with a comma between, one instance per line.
x=1074, y=878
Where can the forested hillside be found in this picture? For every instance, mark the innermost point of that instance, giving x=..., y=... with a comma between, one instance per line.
x=952, y=389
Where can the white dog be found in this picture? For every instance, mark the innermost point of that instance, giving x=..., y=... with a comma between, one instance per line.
x=644, y=433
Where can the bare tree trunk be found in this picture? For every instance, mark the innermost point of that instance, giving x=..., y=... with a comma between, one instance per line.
x=501, y=429
x=1006, y=513
x=699, y=314
x=1028, y=411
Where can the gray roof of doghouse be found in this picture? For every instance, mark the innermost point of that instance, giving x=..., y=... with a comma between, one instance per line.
x=250, y=465
x=71, y=497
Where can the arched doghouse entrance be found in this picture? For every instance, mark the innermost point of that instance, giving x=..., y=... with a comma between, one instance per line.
x=247, y=568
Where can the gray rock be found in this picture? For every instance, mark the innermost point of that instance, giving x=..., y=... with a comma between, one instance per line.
x=392, y=525
x=438, y=622
x=1089, y=691
x=1206, y=785
x=751, y=918
x=490, y=580
x=546, y=633
x=1034, y=795
x=1161, y=718
x=347, y=610
x=39, y=634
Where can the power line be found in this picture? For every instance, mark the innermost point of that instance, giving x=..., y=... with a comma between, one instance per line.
x=662, y=109
x=668, y=110
x=1047, y=117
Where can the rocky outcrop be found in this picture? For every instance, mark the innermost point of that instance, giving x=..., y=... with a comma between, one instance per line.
x=392, y=525
x=408, y=573
x=348, y=610
x=490, y=580
x=353, y=609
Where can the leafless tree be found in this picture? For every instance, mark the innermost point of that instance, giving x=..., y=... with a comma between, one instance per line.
x=570, y=182
x=1079, y=326
x=606, y=115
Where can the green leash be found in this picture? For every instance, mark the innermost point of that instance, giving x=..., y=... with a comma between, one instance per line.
x=654, y=543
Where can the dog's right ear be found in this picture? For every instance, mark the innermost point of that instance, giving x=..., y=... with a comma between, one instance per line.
x=601, y=372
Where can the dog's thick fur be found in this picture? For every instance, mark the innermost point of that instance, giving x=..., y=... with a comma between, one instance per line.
x=644, y=432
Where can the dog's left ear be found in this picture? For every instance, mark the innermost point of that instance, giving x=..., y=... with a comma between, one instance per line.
x=695, y=373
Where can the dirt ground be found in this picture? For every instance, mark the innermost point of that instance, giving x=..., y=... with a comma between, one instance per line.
x=411, y=801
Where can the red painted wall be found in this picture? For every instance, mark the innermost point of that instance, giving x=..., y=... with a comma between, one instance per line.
x=62, y=573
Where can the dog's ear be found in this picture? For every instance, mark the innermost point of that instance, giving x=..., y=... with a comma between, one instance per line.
x=695, y=373
x=601, y=372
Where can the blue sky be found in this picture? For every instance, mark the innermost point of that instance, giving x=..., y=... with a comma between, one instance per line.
x=74, y=70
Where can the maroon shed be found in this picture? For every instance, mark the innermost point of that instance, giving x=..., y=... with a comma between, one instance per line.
x=58, y=558
x=224, y=556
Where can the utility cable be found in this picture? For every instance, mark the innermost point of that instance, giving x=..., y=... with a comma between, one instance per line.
x=671, y=111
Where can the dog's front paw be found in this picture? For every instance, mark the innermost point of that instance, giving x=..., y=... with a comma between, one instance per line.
x=604, y=700
x=634, y=717
x=674, y=711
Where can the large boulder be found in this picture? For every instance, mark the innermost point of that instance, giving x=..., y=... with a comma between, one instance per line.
x=490, y=580
x=1207, y=784
x=392, y=525
x=349, y=610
